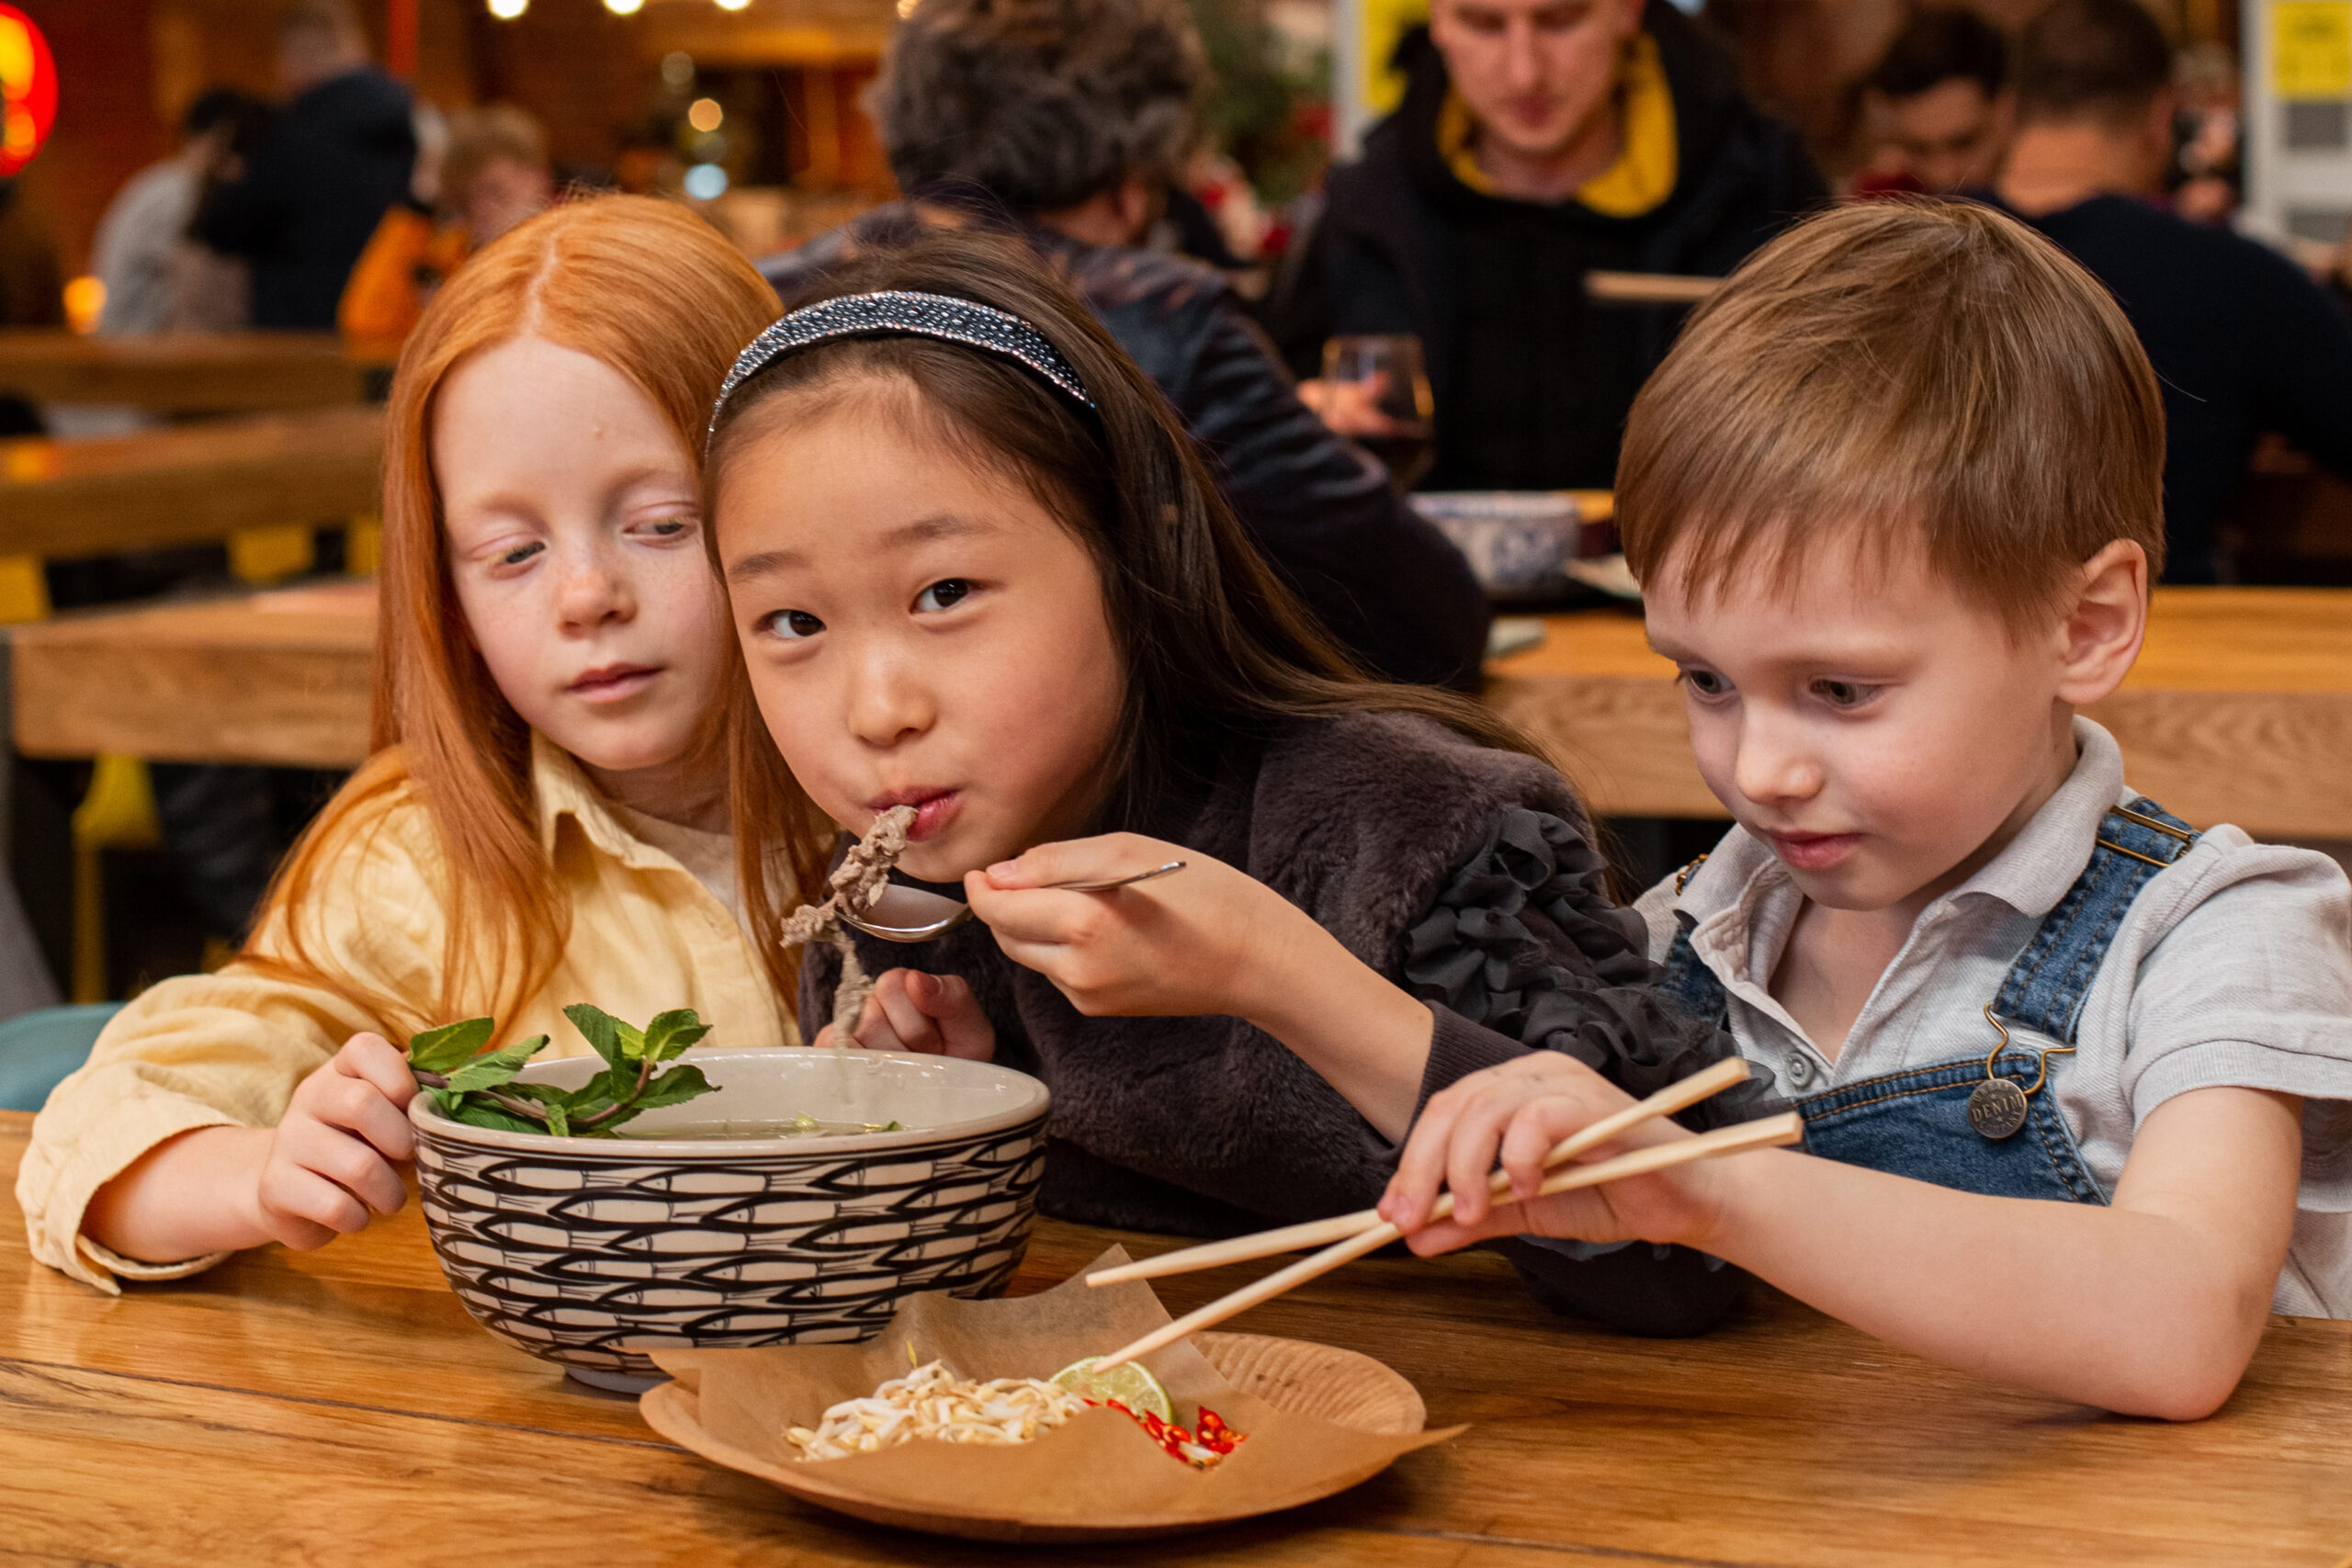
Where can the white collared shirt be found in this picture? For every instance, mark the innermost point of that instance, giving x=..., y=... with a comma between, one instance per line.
x=2232, y=968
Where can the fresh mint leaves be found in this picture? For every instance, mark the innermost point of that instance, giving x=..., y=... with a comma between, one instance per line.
x=477, y=1087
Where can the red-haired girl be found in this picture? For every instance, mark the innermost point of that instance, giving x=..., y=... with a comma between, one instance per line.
x=544, y=819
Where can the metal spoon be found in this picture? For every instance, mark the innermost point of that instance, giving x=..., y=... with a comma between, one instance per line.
x=910, y=915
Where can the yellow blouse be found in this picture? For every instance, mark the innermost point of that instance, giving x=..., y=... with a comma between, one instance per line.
x=228, y=1049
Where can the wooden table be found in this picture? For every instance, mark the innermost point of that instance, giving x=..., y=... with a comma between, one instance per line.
x=273, y=678
x=183, y=372
x=338, y=1407
x=2240, y=710
x=188, y=484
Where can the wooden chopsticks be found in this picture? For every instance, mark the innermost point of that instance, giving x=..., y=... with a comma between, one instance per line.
x=1648, y=287
x=1772, y=1131
x=1674, y=1097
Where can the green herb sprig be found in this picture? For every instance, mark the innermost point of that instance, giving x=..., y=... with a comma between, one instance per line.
x=479, y=1087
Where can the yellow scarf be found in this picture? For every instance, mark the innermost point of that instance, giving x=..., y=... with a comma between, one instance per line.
x=1642, y=177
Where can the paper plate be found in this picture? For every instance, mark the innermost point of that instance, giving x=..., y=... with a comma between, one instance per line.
x=1317, y=1420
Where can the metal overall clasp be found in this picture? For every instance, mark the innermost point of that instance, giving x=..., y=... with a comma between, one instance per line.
x=1996, y=1107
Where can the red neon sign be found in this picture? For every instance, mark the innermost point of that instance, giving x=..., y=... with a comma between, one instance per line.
x=28, y=90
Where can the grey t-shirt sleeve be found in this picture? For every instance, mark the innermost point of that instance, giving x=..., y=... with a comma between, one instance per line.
x=2250, y=986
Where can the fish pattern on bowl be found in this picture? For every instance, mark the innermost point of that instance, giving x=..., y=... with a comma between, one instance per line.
x=585, y=1252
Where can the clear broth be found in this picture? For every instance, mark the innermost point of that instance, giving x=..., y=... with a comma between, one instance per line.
x=738, y=1128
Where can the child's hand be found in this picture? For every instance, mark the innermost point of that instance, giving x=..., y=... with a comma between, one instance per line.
x=331, y=1161
x=1208, y=940
x=936, y=1015
x=1516, y=1112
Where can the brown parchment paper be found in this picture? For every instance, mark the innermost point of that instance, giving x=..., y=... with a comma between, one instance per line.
x=1098, y=1475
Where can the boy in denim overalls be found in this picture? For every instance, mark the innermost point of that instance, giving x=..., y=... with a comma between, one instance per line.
x=2075, y=1075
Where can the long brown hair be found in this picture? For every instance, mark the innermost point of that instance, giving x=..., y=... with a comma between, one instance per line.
x=1217, y=650
x=648, y=290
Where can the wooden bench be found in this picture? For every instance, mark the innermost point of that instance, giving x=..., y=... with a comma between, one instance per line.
x=270, y=678
x=188, y=484
x=183, y=372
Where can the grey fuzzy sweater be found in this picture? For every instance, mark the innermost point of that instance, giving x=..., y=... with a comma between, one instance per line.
x=1465, y=873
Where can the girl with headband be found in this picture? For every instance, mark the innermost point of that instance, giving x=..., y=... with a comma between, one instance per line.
x=977, y=567
x=544, y=819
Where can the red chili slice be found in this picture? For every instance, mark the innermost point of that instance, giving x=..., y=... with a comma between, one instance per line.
x=1211, y=1443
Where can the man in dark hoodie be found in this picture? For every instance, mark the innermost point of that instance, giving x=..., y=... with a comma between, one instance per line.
x=1539, y=141
x=340, y=153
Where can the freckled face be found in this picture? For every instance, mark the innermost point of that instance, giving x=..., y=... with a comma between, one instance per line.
x=1871, y=727
x=917, y=631
x=573, y=520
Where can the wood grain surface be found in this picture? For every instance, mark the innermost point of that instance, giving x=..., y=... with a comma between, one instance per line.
x=338, y=1407
x=188, y=484
x=278, y=679
x=182, y=372
x=2239, y=710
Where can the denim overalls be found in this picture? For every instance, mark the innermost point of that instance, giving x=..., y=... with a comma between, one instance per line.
x=1981, y=1123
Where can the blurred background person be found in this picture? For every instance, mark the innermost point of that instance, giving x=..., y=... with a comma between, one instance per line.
x=1068, y=122
x=493, y=173
x=1937, y=105
x=1539, y=141
x=2243, y=342
x=2209, y=167
x=339, y=154
x=135, y=254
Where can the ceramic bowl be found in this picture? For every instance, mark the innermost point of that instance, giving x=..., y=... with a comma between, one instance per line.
x=1517, y=542
x=588, y=1251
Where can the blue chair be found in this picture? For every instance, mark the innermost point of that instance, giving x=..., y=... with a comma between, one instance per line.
x=38, y=1048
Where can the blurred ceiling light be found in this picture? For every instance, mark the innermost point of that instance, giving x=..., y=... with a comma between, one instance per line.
x=507, y=10
x=705, y=114
x=678, y=69
x=906, y=8
x=732, y=5
x=622, y=8
x=706, y=182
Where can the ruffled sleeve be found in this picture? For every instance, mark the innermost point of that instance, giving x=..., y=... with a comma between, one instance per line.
x=1524, y=951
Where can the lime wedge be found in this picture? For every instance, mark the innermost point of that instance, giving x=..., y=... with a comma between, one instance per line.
x=1128, y=1383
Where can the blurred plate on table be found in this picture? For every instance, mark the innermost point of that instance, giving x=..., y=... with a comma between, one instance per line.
x=1518, y=543
x=1607, y=573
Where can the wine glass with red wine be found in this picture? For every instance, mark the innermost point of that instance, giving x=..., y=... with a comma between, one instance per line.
x=1378, y=393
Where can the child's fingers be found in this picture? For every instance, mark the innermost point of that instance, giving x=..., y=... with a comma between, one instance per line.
x=871, y=1031
x=1422, y=1168
x=1470, y=1157
x=1098, y=858
x=906, y=1018
x=964, y=1029
x=358, y=1107
x=1044, y=916
x=344, y=1161
x=306, y=1209
x=1449, y=1235
x=376, y=1060
x=1531, y=1133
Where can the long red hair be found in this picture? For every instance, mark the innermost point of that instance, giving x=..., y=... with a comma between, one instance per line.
x=650, y=289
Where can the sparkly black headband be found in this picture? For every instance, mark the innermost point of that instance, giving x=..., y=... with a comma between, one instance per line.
x=898, y=313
